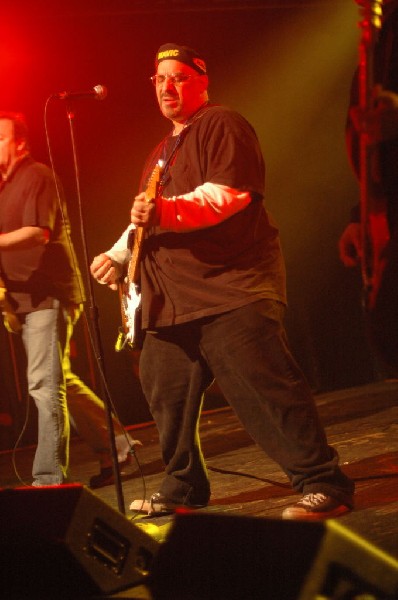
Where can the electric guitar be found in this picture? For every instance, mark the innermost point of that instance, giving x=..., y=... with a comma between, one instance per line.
x=129, y=289
x=373, y=208
x=11, y=321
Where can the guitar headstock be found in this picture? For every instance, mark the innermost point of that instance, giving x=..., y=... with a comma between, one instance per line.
x=372, y=14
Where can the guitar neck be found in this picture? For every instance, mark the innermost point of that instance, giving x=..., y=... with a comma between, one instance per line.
x=133, y=273
x=370, y=25
x=133, y=270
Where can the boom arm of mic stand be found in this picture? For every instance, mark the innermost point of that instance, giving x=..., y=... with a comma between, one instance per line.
x=96, y=330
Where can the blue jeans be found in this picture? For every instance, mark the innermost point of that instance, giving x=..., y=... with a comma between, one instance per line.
x=58, y=394
x=246, y=351
x=45, y=335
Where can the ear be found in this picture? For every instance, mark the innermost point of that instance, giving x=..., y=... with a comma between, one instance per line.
x=21, y=146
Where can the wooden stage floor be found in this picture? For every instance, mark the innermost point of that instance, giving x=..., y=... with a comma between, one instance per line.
x=361, y=422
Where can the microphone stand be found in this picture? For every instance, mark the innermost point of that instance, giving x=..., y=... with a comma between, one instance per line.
x=96, y=330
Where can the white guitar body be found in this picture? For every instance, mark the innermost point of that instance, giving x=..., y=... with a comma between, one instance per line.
x=131, y=302
x=130, y=294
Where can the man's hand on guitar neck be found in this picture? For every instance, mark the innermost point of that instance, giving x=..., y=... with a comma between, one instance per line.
x=350, y=245
x=105, y=271
x=144, y=212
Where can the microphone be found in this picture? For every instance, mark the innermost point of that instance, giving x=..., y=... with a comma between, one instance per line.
x=99, y=92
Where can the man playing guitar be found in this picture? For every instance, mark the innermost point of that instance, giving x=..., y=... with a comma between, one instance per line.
x=380, y=125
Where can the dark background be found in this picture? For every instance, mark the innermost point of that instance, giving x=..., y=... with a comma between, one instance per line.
x=286, y=66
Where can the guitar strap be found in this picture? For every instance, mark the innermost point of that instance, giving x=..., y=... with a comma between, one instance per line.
x=179, y=139
x=168, y=161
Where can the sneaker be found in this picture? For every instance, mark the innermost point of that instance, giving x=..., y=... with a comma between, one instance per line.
x=315, y=507
x=158, y=506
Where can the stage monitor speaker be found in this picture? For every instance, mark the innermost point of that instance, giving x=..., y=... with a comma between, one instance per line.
x=213, y=557
x=64, y=542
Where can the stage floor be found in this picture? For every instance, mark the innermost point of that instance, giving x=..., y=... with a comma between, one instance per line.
x=361, y=423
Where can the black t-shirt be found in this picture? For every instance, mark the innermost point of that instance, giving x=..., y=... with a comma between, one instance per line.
x=34, y=277
x=189, y=275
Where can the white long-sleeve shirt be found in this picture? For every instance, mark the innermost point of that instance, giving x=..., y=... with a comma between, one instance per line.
x=208, y=205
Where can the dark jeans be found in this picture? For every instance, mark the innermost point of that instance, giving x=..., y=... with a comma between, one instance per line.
x=246, y=351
